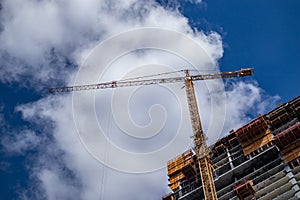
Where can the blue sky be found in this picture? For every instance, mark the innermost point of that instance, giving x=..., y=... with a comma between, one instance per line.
x=260, y=34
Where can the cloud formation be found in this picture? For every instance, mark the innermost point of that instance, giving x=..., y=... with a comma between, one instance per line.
x=40, y=38
x=42, y=45
x=20, y=142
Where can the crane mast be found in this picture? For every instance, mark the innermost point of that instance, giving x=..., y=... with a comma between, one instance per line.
x=201, y=149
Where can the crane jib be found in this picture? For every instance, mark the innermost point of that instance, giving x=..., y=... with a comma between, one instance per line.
x=115, y=84
x=201, y=149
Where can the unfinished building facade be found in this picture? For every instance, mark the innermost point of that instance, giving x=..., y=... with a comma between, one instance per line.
x=260, y=160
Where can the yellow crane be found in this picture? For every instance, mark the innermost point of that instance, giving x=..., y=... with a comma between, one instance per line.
x=201, y=149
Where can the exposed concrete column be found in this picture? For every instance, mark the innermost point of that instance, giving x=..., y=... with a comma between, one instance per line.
x=229, y=158
x=293, y=181
x=180, y=189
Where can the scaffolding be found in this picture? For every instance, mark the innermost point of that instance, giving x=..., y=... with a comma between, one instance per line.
x=254, y=135
x=183, y=167
x=169, y=196
x=288, y=142
x=244, y=190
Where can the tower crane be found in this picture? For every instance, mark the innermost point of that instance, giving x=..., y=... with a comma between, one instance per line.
x=201, y=149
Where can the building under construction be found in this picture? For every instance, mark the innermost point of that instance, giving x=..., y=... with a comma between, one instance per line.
x=260, y=160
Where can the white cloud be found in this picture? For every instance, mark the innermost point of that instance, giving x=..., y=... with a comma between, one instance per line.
x=91, y=180
x=195, y=1
x=57, y=189
x=243, y=97
x=37, y=40
x=20, y=142
x=35, y=30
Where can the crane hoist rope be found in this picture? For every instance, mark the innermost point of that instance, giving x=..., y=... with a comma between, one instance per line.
x=151, y=75
x=201, y=149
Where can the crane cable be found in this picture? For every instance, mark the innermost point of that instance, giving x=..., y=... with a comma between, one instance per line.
x=151, y=75
x=160, y=74
x=106, y=156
